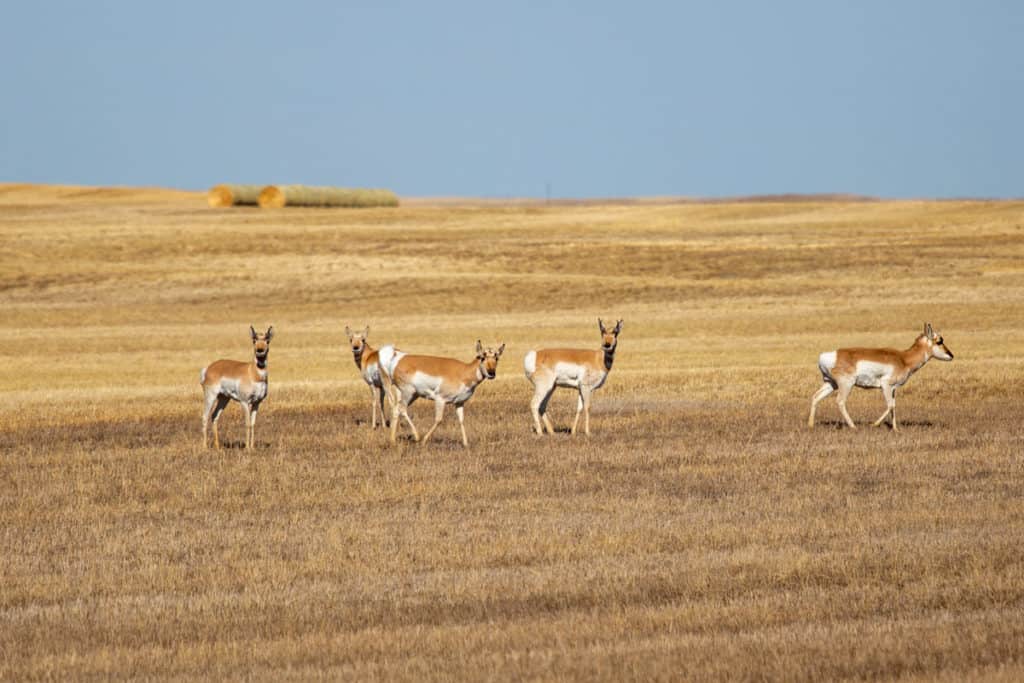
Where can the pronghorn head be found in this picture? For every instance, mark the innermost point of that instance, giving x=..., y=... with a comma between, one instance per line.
x=936, y=346
x=488, y=359
x=358, y=339
x=609, y=337
x=261, y=342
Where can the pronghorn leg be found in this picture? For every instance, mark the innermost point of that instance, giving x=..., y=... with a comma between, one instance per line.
x=844, y=392
x=826, y=389
x=893, y=410
x=247, y=414
x=218, y=408
x=252, y=424
x=209, y=401
x=460, y=412
x=401, y=409
x=394, y=421
x=539, y=404
x=379, y=396
x=405, y=413
x=373, y=407
x=438, y=416
x=579, y=409
x=585, y=396
x=887, y=392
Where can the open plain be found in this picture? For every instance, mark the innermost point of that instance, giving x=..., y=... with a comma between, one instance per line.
x=701, y=533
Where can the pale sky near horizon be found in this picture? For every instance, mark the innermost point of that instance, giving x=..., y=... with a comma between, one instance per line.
x=579, y=99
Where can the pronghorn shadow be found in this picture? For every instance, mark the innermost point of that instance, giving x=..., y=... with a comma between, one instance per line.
x=240, y=445
x=840, y=425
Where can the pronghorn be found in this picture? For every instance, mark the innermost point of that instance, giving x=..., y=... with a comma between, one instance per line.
x=226, y=380
x=882, y=368
x=366, y=358
x=443, y=380
x=580, y=369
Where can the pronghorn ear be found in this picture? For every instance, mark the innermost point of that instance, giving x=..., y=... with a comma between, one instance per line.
x=618, y=327
x=479, y=349
x=366, y=332
x=252, y=330
x=270, y=333
x=501, y=349
x=348, y=332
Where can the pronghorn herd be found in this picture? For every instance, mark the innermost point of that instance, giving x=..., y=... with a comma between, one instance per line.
x=403, y=378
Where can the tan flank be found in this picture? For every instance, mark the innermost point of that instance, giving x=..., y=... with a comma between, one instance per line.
x=366, y=358
x=884, y=369
x=582, y=369
x=231, y=380
x=233, y=195
x=443, y=380
x=279, y=196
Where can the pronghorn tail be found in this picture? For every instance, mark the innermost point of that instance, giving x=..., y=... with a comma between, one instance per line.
x=202, y=376
x=530, y=364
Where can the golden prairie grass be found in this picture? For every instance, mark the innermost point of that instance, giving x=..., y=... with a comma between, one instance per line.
x=701, y=533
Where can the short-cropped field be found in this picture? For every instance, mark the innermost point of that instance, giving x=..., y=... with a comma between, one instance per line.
x=701, y=533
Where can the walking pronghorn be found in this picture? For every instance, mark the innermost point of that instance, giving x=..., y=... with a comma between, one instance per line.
x=580, y=369
x=227, y=380
x=443, y=380
x=366, y=358
x=868, y=368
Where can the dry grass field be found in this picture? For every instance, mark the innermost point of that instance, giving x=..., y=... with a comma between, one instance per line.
x=701, y=533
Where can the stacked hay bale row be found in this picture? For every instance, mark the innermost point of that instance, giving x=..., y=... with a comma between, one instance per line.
x=233, y=195
x=278, y=196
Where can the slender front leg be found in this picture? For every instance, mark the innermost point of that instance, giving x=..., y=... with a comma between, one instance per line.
x=824, y=391
x=585, y=397
x=460, y=411
x=887, y=392
x=894, y=427
x=438, y=416
x=579, y=409
x=247, y=411
x=252, y=423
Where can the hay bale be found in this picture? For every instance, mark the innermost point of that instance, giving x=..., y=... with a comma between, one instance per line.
x=233, y=195
x=277, y=196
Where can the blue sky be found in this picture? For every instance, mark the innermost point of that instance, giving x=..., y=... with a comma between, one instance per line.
x=587, y=99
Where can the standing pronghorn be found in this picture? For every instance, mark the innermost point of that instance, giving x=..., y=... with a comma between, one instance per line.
x=580, y=369
x=226, y=380
x=868, y=368
x=443, y=380
x=366, y=358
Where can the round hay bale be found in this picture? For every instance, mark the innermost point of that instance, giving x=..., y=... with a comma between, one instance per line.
x=233, y=195
x=278, y=196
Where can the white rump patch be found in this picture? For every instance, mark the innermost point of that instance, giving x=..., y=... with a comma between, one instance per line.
x=827, y=361
x=387, y=358
x=530, y=363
